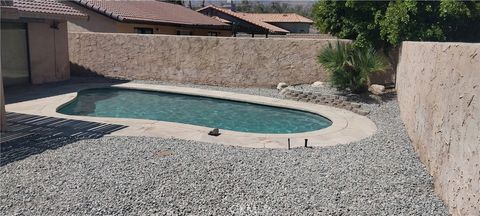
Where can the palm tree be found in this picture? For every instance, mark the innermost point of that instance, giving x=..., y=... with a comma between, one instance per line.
x=349, y=66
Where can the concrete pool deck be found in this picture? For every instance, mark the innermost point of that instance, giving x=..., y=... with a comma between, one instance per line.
x=347, y=126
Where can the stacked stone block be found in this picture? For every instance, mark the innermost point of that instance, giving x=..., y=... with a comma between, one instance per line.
x=328, y=100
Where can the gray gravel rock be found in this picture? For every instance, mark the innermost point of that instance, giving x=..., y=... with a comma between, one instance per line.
x=379, y=175
x=319, y=89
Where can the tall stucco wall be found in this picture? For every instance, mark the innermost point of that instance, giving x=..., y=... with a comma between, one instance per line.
x=438, y=88
x=221, y=61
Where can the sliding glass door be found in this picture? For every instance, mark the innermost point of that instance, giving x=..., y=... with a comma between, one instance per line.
x=14, y=48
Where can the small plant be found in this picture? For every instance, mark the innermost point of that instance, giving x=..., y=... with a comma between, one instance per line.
x=349, y=66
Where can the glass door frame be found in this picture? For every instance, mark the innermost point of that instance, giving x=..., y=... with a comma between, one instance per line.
x=25, y=26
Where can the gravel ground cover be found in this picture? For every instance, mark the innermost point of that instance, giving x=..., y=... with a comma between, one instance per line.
x=323, y=90
x=379, y=175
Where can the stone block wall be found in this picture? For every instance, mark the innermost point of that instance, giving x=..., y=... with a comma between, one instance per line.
x=438, y=88
x=223, y=61
x=323, y=99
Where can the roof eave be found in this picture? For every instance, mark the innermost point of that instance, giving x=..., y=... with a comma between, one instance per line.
x=7, y=12
x=30, y=14
x=14, y=13
x=203, y=8
x=278, y=32
x=100, y=10
x=288, y=22
x=168, y=22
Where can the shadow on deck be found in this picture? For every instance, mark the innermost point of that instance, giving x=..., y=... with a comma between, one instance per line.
x=31, y=134
x=26, y=92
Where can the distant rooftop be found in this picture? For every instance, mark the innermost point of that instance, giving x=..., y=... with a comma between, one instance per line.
x=150, y=11
x=250, y=19
x=262, y=20
x=221, y=20
x=279, y=17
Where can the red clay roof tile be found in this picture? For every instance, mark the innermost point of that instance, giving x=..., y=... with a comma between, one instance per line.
x=150, y=11
x=47, y=7
x=279, y=17
x=247, y=18
x=221, y=20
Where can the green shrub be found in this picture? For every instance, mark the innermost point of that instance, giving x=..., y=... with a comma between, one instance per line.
x=349, y=66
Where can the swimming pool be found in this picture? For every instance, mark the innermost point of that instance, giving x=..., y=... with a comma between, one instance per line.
x=194, y=110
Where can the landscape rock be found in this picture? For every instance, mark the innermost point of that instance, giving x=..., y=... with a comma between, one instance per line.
x=355, y=105
x=377, y=89
x=318, y=84
x=281, y=86
x=285, y=91
x=362, y=112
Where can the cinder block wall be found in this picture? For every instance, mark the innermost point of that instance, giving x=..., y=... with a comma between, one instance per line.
x=438, y=88
x=223, y=61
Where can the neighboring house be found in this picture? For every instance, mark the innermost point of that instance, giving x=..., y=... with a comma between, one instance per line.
x=291, y=22
x=34, y=41
x=145, y=17
x=260, y=23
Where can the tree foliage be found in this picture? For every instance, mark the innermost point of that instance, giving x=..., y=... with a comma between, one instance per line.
x=387, y=23
x=249, y=6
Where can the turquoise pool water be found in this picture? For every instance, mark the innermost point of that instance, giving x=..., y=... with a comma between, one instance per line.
x=195, y=110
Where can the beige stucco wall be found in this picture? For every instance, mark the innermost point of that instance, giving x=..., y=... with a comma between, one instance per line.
x=95, y=22
x=171, y=30
x=48, y=51
x=438, y=88
x=222, y=61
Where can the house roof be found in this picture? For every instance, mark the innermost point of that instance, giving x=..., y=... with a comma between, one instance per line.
x=243, y=16
x=280, y=17
x=43, y=9
x=149, y=11
x=221, y=20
